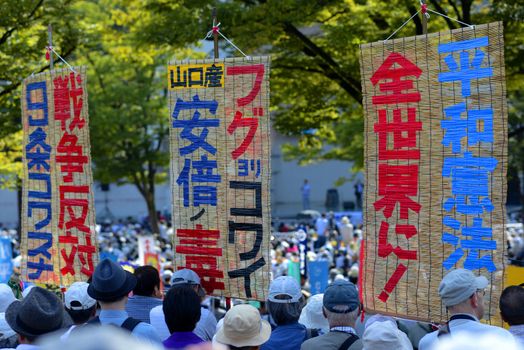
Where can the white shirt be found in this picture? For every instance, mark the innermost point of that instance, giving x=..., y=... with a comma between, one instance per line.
x=459, y=326
x=518, y=333
x=321, y=225
x=205, y=328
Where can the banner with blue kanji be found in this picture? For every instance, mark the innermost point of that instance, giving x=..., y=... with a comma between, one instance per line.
x=436, y=159
x=220, y=172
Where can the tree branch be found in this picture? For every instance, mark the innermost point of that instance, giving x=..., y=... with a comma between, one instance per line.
x=338, y=13
x=15, y=85
x=439, y=8
x=328, y=64
x=418, y=22
x=518, y=131
x=8, y=33
x=300, y=68
x=455, y=8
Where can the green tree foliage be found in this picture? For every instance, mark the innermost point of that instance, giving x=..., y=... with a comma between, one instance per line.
x=316, y=93
x=316, y=90
x=23, y=40
x=128, y=106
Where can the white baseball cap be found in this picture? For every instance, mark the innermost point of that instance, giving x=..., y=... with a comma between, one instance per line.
x=458, y=285
x=284, y=285
x=76, y=297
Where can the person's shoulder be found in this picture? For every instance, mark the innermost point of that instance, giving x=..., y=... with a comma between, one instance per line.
x=357, y=345
x=147, y=330
x=427, y=340
x=496, y=329
x=322, y=340
x=156, y=310
x=208, y=315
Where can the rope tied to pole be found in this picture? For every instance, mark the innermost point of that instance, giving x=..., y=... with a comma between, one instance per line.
x=425, y=11
x=49, y=50
x=216, y=30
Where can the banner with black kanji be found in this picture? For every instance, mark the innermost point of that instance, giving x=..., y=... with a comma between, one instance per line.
x=220, y=173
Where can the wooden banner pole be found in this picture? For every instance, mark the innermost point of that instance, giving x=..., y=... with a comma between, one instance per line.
x=215, y=33
x=50, y=43
x=424, y=18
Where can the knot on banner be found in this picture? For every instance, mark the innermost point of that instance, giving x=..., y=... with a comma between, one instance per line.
x=48, y=53
x=215, y=29
x=424, y=8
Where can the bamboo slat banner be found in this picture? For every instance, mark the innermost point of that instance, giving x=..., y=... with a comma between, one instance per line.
x=220, y=172
x=59, y=244
x=436, y=158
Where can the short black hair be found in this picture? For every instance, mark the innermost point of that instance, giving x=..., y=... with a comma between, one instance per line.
x=181, y=308
x=285, y=313
x=147, y=279
x=511, y=305
x=81, y=316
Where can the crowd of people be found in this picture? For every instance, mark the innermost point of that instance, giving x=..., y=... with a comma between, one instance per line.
x=169, y=309
x=116, y=304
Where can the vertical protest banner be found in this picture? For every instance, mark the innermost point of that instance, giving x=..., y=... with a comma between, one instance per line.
x=147, y=255
x=220, y=172
x=59, y=244
x=436, y=159
x=293, y=270
x=6, y=259
x=318, y=274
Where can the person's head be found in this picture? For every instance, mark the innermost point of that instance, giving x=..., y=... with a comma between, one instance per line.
x=111, y=284
x=384, y=335
x=462, y=292
x=181, y=308
x=512, y=305
x=41, y=312
x=312, y=315
x=353, y=274
x=78, y=304
x=285, y=300
x=243, y=328
x=341, y=304
x=6, y=296
x=147, y=282
x=190, y=278
x=166, y=277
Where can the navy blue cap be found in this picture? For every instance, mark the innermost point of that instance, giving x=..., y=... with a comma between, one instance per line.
x=341, y=297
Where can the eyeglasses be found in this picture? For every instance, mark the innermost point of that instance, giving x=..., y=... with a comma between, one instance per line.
x=482, y=291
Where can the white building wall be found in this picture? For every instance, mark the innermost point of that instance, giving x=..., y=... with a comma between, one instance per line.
x=287, y=178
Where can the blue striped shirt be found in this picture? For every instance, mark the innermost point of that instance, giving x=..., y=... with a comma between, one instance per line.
x=139, y=307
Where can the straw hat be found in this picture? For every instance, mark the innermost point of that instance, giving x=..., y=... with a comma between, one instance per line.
x=243, y=326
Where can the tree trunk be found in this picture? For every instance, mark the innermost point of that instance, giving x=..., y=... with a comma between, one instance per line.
x=151, y=209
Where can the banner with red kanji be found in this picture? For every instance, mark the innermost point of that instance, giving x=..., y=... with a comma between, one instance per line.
x=436, y=159
x=220, y=173
x=58, y=243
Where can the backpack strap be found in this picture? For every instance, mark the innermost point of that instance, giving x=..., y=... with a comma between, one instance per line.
x=311, y=333
x=130, y=323
x=348, y=342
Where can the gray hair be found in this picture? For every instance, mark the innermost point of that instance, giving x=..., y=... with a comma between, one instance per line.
x=341, y=319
